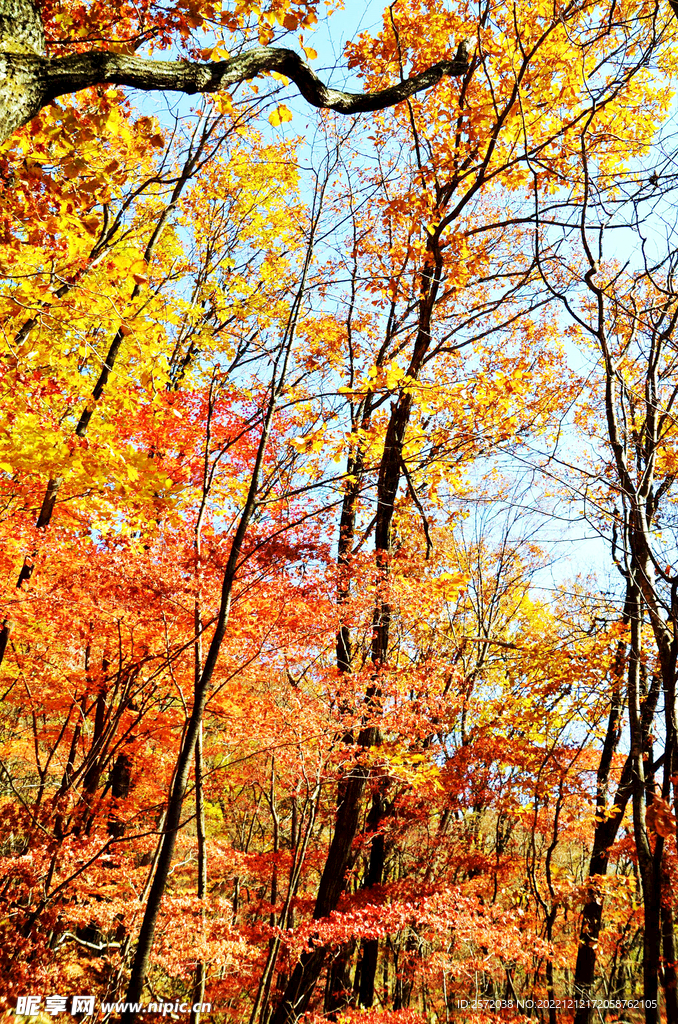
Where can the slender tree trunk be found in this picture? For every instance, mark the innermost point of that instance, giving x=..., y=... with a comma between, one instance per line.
x=606, y=829
x=354, y=472
x=550, y=979
x=390, y=473
x=405, y=974
x=300, y=987
x=174, y=808
x=670, y=974
x=608, y=823
x=339, y=992
x=200, y=970
x=297, y=995
x=187, y=752
x=649, y=861
x=592, y=915
x=669, y=950
x=299, y=845
x=339, y=989
x=375, y=873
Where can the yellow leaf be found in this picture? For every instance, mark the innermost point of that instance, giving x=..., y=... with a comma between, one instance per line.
x=280, y=114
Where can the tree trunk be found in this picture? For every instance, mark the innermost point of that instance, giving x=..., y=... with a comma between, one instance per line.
x=375, y=872
x=339, y=991
x=649, y=861
x=606, y=828
x=176, y=798
x=297, y=996
x=300, y=987
x=669, y=950
x=200, y=970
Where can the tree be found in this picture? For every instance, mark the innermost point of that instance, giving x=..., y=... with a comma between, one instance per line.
x=258, y=391
x=630, y=314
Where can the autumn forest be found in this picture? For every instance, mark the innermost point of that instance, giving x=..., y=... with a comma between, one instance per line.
x=338, y=511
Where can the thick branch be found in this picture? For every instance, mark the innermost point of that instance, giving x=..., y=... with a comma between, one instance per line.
x=69, y=74
x=41, y=79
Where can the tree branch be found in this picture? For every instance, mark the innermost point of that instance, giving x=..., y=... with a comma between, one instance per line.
x=42, y=79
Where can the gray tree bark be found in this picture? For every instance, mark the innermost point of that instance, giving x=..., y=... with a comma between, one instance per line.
x=30, y=79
